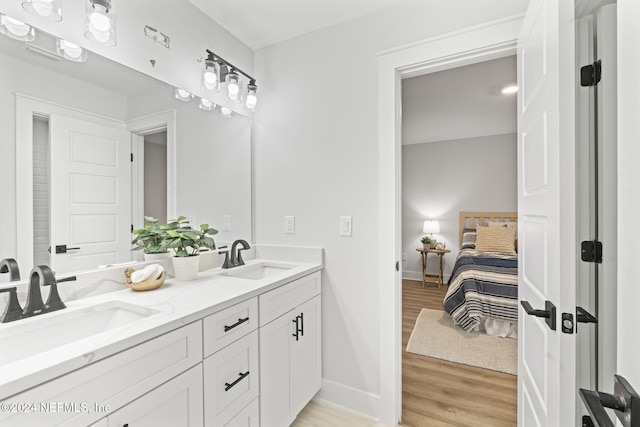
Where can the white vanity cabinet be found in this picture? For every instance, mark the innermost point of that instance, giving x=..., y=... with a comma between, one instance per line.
x=231, y=369
x=88, y=394
x=290, y=350
x=177, y=402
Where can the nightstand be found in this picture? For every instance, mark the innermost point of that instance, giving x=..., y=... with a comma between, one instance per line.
x=429, y=277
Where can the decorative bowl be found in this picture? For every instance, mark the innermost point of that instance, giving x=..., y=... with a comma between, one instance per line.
x=147, y=285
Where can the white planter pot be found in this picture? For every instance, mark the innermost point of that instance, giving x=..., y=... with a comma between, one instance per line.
x=186, y=268
x=157, y=257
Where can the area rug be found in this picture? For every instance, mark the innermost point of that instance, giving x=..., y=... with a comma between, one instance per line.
x=435, y=335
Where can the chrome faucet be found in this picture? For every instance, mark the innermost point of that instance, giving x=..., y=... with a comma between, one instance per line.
x=10, y=265
x=236, y=256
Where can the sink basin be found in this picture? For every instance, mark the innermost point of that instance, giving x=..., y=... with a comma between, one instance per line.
x=258, y=271
x=52, y=330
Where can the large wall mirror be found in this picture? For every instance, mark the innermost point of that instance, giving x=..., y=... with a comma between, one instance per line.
x=97, y=146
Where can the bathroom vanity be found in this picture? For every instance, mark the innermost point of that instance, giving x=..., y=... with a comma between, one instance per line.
x=236, y=347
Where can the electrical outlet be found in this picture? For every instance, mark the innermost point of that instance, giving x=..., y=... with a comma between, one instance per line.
x=345, y=226
x=290, y=224
x=226, y=223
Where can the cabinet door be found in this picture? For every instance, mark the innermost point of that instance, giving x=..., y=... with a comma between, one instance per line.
x=275, y=339
x=178, y=402
x=306, y=355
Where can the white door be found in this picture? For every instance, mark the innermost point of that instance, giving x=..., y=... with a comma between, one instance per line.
x=546, y=205
x=90, y=194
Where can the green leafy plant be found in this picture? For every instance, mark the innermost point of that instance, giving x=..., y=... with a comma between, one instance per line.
x=151, y=238
x=426, y=240
x=187, y=241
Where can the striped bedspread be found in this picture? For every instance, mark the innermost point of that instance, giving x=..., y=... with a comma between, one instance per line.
x=482, y=285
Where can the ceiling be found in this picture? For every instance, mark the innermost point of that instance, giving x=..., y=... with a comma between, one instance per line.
x=459, y=103
x=260, y=23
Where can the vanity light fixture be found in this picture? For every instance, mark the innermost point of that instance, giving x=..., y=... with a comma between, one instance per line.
x=230, y=75
x=206, y=105
x=183, y=95
x=100, y=19
x=70, y=51
x=47, y=9
x=16, y=29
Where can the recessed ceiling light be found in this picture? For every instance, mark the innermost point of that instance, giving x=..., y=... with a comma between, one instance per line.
x=509, y=89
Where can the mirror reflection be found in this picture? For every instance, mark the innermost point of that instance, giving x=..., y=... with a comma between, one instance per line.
x=97, y=146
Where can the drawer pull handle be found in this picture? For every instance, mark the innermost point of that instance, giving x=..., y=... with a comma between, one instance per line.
x=297, y=328
x=301, y=324
x=238, y=323
x=227, y=386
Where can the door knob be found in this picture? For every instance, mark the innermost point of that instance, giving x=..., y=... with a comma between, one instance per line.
x=625, y=402
x=549, y=313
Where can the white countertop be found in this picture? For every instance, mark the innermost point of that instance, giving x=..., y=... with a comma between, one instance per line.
x=176, y=303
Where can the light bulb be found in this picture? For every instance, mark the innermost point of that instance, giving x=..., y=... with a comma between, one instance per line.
x=206, y=105
x=71, y=51
x=99, y=18
x=210, y=79
x=16, y=29
x=251, y=101
x=225, y=112
x=100, y=36
x=47, y=9
x=43, y=7
x=183, y=95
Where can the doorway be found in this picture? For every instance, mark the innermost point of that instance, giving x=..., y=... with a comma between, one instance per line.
x=458, y=154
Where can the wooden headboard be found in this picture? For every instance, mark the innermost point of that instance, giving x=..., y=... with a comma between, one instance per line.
x=470, y=219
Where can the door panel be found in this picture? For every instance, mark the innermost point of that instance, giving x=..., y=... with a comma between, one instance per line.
x=90, y=194
x=546, y=206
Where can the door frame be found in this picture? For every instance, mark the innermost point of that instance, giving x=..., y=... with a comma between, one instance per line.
x=164, y=120
x=476, y=44
x=26, y=108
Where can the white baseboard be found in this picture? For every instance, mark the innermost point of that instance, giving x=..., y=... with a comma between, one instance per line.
x=349, y=398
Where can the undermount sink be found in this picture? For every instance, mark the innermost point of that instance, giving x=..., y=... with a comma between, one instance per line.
x=48, y=331
x=258, y=271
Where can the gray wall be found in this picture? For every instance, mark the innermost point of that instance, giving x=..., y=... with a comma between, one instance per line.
x=440, y=179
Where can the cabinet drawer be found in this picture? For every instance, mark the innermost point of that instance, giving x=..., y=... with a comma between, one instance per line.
x=226, y=326
x=248, y=417
x=231, y=380
x=277, y=302
x=177, y=402
x=113, y=382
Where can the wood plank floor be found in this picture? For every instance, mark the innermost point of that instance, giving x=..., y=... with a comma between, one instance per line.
x=441, y=393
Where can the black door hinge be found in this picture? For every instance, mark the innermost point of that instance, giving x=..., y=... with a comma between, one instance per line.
x=132, y=228
x=590, y=75
x=132, y=157
x=591, y=251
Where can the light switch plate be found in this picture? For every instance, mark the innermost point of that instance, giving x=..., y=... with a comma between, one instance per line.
x=226, y=222
x=290, y=224
x=345, y=226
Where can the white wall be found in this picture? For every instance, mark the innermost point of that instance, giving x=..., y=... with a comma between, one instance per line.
x=440, y=179
x=155, y=179
x=316, y=157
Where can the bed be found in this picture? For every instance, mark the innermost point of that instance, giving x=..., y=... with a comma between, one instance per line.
x=483, y=287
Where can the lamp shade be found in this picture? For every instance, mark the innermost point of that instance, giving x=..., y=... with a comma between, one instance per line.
x=431, y=226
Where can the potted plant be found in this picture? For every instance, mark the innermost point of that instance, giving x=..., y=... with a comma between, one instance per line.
x=151, y=239
x=186, y=242
x=427, y=242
